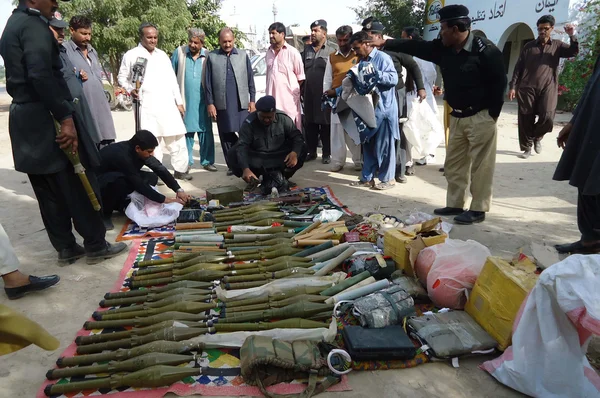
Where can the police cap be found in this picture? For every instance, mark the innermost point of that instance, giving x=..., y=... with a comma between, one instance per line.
x=453, y=12
x=266, y=104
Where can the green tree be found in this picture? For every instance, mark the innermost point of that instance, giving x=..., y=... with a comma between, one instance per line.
x=393, y=14
x=205, y=15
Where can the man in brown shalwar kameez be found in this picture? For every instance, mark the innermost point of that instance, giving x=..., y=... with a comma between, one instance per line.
x=535, y=83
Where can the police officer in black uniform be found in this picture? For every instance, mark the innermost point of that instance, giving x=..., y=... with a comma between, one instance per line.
x=40, y=96
x=475, y=83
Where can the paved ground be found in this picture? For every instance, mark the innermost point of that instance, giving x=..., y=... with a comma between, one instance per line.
x=528, y=206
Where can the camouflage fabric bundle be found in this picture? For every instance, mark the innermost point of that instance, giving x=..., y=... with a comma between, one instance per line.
x=265, y=361
x=383, y=308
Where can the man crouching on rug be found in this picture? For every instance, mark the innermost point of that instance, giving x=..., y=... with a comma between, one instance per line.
x=120, y=174
x=270, y=146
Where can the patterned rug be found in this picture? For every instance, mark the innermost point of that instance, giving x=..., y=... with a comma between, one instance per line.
x=222, y=378
x=132, y=231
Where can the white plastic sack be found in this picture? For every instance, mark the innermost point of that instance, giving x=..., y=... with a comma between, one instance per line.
x=423, y=129
x=328, y=216
x=149, y=214
x=552, y=332
x=419, y=217
x=455, y=268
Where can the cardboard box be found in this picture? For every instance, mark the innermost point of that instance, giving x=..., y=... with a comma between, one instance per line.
x=403, y=245
x=498, y=294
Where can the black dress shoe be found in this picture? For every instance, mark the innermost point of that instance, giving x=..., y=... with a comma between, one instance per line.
x=35, y=284
x=470, y=217
x=310, y=157
x=109, y=251
x=326, y=159
x=229, y=172
x=449, y=211
x=71, y=254
x=183, y=176
x=401, y=180
x=569, y=247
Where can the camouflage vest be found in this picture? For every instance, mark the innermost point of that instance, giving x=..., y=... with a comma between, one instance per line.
x=265, y=361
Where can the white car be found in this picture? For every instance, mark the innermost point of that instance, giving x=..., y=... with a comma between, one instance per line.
x=259, y=67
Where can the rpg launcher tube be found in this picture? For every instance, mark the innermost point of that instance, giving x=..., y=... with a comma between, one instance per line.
x=162, y=261
x=173, y=286
x=184, y=306
x=193, y=225
x=286, y=223
x=199, y=238
x=336, y=262
x=256, y=217
x=157, y=297
x=298, y=310
x=346, y=284
x=255, y=208
x=129, y=365
x=266, y=276
x=166, y=347
x=242, y=285
x=247, y=270
x=104, y=337
x=278, y=303
x=265, y=254
x=98, y=315
x=168, y=334
x=202, y=276
x=155, y=376
x=246, y=265
x=146, y=321
x=314, y=249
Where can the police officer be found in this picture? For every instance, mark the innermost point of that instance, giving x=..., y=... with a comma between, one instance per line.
x=475, y=82
x=40, y=96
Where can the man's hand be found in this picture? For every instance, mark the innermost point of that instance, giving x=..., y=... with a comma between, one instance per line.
x=248, y=175
x=84, y=75
x=377, y=42
x=174, y=200
x=512, y=93
x=422, y=95
x=437, y=91
x=181, y=110
x=212, y=112
x=331, y=93
x=68, y=135
x=135, y=94
x=291, y=160
x=181, y=195
x=251, y=107
x=569, y=29
x=563, y=136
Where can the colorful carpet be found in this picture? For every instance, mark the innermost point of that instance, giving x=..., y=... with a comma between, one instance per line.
x=132, y=231
x=349, y=319
x=221, y=372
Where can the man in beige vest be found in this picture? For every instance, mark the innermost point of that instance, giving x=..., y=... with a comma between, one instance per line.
x=338, y=64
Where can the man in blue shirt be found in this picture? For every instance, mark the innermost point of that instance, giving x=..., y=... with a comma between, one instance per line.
x=188, y=63
x=379, y=149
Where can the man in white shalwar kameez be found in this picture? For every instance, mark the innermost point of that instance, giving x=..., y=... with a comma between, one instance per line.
x=162, y=107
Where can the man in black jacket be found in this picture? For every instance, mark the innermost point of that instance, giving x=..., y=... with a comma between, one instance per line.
x=475, y=82
x=41, y=97
x=120, y=174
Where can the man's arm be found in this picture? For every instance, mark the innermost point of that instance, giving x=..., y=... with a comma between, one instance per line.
x=37, y=54
x=162, y=173
x=496, y=80
x=428, y=50
x=251, y=85
x=569, y=50
x=388, y=74
x=328, y=77
x=116, y=160
x=518, y=72
x=124, y=73
x=413, y=68
x=244, y=143
x=208, y=90
x=298, y=67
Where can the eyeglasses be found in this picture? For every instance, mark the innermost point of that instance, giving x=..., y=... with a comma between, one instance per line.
x=544, y=28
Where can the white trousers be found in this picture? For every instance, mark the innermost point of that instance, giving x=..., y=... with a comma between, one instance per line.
x=339, y=141
x=177, y=148
x=8, y=259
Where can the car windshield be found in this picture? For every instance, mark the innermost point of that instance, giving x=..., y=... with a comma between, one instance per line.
x=254, y=58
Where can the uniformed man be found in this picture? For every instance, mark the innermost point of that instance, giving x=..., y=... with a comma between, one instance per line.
x=270, y=145
x=475, y=82
x=40, y=97
x=318, y=121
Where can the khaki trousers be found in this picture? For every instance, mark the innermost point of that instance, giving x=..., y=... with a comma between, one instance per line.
x=471, y=159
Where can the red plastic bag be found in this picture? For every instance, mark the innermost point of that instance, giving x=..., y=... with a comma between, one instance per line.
x=454, y=271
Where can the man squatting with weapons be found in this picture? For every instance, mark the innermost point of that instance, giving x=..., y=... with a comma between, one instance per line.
x=41, y=98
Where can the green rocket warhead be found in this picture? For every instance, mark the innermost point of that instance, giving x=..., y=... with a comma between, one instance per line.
x=267, y=276
x=153, y=304
x=151, y=320
x=188, y=307
x=104, y=337
x=155, y=376
x=173, y=286
x=129, y=365
x=251, y=218
x=297, y=310
x=276, y=303
x=155, y=297
x=200, y=276
x=166, y=347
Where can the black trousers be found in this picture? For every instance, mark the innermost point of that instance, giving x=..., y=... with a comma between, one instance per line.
x=228, y=140
x=63, y=204
x=403, y=154
x=115, y=188
x=588, y=216
x=261, y=162
x=313, y=133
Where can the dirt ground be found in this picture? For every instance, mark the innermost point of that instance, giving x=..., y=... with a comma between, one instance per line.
x=528, y=207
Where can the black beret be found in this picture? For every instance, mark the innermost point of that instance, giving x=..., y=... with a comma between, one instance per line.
x=266, y=104
x=452, y=12
x=57, y=21
x=319, y=22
